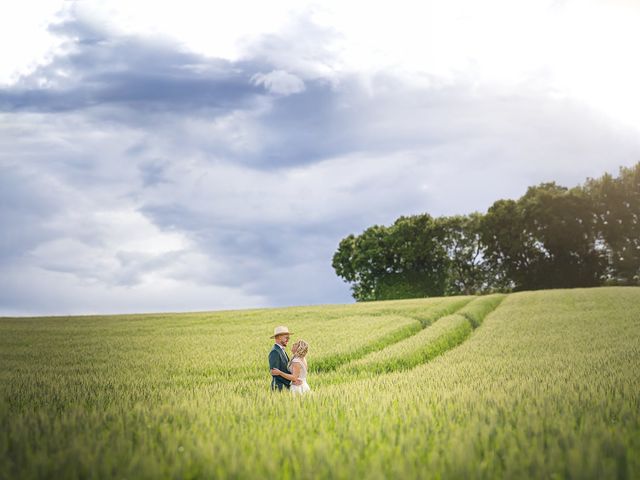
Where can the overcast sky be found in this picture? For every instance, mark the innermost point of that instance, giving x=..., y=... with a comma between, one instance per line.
x=158, y=157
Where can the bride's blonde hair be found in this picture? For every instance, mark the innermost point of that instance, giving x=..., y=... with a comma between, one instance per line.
x=301, y=348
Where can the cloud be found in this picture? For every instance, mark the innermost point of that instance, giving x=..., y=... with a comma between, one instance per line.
x=27, y=200
x=32, y=291
x=279, y=82
x=146, y=74
x=138, y=176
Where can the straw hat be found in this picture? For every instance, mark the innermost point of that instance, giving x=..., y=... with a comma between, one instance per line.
x=281, y=330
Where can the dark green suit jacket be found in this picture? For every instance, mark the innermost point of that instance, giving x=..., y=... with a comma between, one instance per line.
x=278, y=359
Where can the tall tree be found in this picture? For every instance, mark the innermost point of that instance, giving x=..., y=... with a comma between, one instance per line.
x=552, y=237
x=420, y=259
x=468, y=273
x=546, y=239
x=510, y=250
x=363, y=261
x=405, y=260
x=616, y=203
x=562, y=224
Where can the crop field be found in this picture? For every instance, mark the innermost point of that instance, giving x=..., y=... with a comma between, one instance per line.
x=527, y=385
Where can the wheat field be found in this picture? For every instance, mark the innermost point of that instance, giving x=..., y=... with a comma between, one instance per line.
x=527, y=385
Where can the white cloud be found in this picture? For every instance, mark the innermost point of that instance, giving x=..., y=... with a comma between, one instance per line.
x=279, y=82
x=29, y=290
x=24, y=36
x=581, y=49
x=201, y=191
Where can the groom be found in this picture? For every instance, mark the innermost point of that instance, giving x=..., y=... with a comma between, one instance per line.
x=279, y=359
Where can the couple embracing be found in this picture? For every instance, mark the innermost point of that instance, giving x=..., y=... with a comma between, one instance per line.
x=288, y=373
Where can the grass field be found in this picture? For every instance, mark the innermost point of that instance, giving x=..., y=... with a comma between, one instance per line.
x=529, y=385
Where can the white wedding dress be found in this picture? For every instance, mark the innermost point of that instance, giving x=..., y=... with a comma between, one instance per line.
x=304, y=387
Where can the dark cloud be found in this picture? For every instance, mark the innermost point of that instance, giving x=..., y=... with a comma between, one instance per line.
x=148, y=82
x=147, y=74
x=140, y=176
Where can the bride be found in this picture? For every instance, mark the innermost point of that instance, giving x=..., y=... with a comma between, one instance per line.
x=297, y=367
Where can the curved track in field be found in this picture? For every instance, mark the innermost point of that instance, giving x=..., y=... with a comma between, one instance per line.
x=425, y=320
x=440, y=336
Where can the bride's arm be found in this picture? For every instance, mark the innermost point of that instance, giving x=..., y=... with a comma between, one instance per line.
x=293, y=376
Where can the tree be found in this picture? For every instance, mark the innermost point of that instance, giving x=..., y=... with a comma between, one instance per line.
x=405, y=260
x=509, y=250
x=363, y=261
x=420, y=259
x=616, y=204
x=546, y=239
x=551, y=237
x=468, y=273
x=562, y=224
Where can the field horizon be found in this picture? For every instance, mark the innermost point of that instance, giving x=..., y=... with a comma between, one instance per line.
x=268, y=308
x=537, y=384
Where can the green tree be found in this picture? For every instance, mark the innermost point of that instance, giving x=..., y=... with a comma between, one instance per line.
x=562, y=224
x=509, y=249
x=419, y=259
x=552, y=237
x=616, y=204
x=363, y=260
x=468, y=273
x=405, y=260
x=546, y=239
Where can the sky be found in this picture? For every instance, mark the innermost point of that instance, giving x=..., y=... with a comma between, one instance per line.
x=191, y=156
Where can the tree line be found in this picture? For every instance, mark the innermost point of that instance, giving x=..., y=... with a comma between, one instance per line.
x=551, y=237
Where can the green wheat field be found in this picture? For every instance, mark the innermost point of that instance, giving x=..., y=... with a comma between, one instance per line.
x=527, y=385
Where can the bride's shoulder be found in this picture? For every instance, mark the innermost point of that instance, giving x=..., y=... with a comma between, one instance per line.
x=300, y=361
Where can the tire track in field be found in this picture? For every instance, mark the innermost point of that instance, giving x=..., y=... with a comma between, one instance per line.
x=443, y=335
x=334, y=362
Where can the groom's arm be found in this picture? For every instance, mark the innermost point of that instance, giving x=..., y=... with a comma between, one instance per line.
x=274, y=360
x=293, y=376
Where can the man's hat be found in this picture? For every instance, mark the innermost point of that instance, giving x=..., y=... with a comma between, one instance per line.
x=281, y=330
